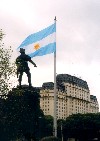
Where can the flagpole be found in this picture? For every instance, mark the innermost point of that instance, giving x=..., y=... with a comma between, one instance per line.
x=55, y=94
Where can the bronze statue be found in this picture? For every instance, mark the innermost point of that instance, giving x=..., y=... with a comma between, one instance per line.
x=22, y=66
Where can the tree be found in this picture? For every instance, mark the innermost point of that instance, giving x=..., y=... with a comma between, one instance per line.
x=7, y=68
x=48, y=125
x=22, y=112
x=82, y=126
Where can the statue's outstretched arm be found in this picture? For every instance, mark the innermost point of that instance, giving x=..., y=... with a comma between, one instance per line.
x=33, y=63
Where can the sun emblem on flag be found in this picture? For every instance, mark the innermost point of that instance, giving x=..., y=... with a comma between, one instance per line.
x=36, y=47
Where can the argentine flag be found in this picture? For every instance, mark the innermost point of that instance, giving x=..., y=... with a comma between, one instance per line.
x=40, y=43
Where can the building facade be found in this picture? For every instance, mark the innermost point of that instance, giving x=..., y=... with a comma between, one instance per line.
x=73, y=96
x=94, y=106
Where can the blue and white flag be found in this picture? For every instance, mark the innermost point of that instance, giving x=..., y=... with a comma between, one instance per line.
x=40, y=43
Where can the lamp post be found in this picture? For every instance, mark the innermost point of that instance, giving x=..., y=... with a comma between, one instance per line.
x=61, y=132
x=40, y=127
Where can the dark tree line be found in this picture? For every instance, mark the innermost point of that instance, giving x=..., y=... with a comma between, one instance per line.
x=83, y=127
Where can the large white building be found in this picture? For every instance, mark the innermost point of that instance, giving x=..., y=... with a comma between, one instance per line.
x=94, y=106
x=73, y=96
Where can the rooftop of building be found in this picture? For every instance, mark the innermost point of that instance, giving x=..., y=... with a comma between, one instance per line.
x=71, y=79
x=92, y=97
x=48, y=85
x=67, y=79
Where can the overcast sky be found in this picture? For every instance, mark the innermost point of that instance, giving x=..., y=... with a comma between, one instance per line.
x=78, y=36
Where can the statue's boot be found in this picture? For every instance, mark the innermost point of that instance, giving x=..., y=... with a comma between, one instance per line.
x=29, y=83
x=29, y=79
x=20, y=79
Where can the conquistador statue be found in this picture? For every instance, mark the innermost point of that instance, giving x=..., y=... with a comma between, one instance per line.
x=22, y=66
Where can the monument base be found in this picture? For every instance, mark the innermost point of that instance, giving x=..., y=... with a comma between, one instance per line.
x=24, y=90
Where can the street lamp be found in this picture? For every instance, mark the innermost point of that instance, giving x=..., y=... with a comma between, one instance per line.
x=40, y=127
x=61, y=132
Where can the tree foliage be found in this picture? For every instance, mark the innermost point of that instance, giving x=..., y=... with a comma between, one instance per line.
x=20, y=114
x=82, y=126
x=48, y=125
x=7, y=68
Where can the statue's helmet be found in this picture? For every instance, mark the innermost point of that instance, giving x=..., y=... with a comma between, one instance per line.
x=22, y=50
